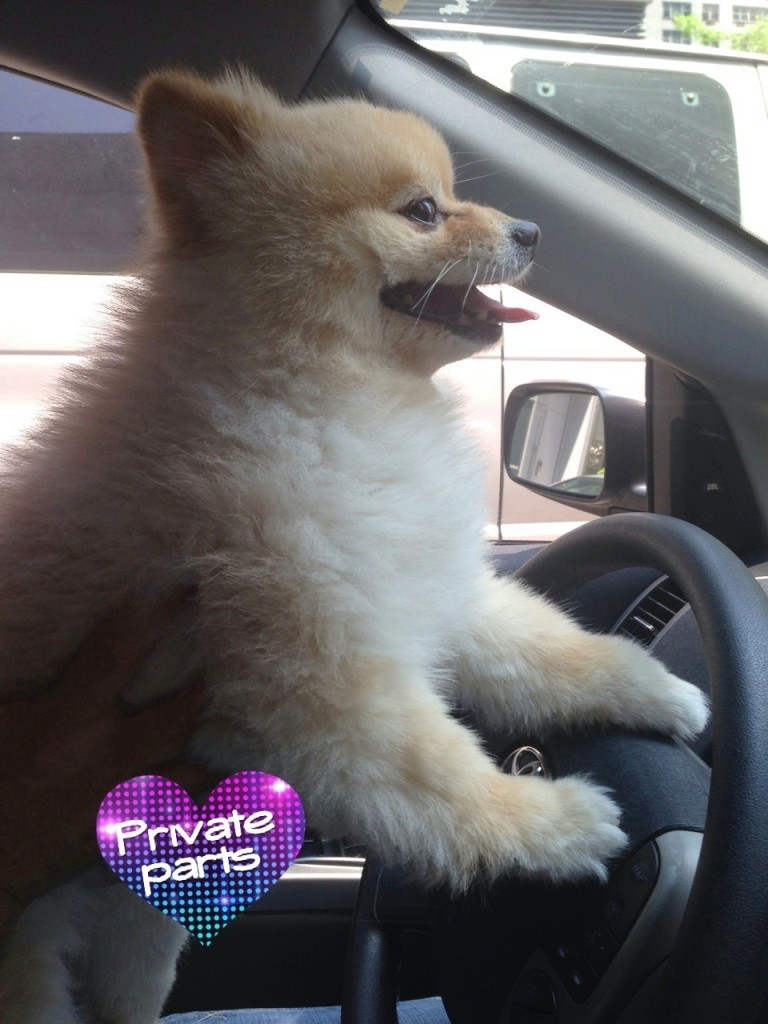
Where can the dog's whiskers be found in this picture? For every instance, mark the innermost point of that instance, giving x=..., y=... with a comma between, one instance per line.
x=422, y=302
x=472, y=163
x=447, y=268
x=471, y=284
x=477, y=177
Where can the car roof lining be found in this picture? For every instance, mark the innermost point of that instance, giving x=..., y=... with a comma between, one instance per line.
x=104, y=49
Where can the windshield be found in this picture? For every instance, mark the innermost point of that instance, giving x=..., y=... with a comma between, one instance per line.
x=679, y=89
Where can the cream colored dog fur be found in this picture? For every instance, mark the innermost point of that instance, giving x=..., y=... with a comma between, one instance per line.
x=263, y=424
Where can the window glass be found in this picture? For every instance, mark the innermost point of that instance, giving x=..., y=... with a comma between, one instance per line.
x=70, y=186
x=686, y=135
x=694, y=114
x=48, y=322
x=71, y=205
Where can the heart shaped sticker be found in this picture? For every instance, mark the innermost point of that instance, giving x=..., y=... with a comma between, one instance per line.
x=201, y=866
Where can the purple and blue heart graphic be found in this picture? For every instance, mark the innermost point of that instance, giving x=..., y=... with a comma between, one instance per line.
x=201, y=865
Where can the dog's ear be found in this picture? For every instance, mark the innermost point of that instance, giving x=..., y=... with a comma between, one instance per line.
x=190, y=129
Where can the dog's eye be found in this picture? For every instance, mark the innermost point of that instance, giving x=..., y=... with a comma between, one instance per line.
x=423, y=211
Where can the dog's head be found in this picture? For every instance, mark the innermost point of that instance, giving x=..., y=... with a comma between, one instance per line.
x=334, y=222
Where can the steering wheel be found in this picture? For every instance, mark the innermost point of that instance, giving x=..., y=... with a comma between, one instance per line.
x=697, y=951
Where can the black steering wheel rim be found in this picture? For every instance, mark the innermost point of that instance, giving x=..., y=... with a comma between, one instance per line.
x=724, y=930
x=718, y=969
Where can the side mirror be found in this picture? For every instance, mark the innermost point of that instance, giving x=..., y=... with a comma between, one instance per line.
x=577, y=444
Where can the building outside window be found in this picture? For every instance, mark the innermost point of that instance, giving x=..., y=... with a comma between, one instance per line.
x=724, y=20
x=672, y=10
x=748, y=15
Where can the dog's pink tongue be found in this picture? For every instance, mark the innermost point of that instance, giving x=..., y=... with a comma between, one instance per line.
x=477, y=302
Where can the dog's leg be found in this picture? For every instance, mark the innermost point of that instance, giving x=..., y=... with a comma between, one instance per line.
x=524, y=663
x=89, y=951
x=131, y=962
x=36, y=983
x=373, y=752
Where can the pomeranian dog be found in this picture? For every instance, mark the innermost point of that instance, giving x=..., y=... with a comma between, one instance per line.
x=263, y=425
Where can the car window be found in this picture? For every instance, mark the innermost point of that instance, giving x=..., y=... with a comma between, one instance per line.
x=70, y=185
x=48, y=323
x=694, y=115
x=70, y=216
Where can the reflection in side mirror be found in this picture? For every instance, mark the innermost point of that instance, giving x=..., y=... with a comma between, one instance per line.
x=558, y=442
x=580, y=445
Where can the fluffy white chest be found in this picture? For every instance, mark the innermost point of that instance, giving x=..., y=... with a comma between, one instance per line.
x=376, y=502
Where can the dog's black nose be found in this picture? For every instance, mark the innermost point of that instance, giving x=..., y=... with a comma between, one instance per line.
x=525, y=232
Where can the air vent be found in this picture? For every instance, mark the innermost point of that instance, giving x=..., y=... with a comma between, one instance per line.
x=658, y=606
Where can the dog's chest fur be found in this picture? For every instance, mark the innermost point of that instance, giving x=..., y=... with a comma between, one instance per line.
x=372, y=495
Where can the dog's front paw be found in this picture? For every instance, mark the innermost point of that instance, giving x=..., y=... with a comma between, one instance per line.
x=576, y=832
x=564, y=831
x=655, y=699
x=684, y=710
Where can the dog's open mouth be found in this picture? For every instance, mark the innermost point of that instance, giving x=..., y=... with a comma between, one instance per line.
x=465, y=310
